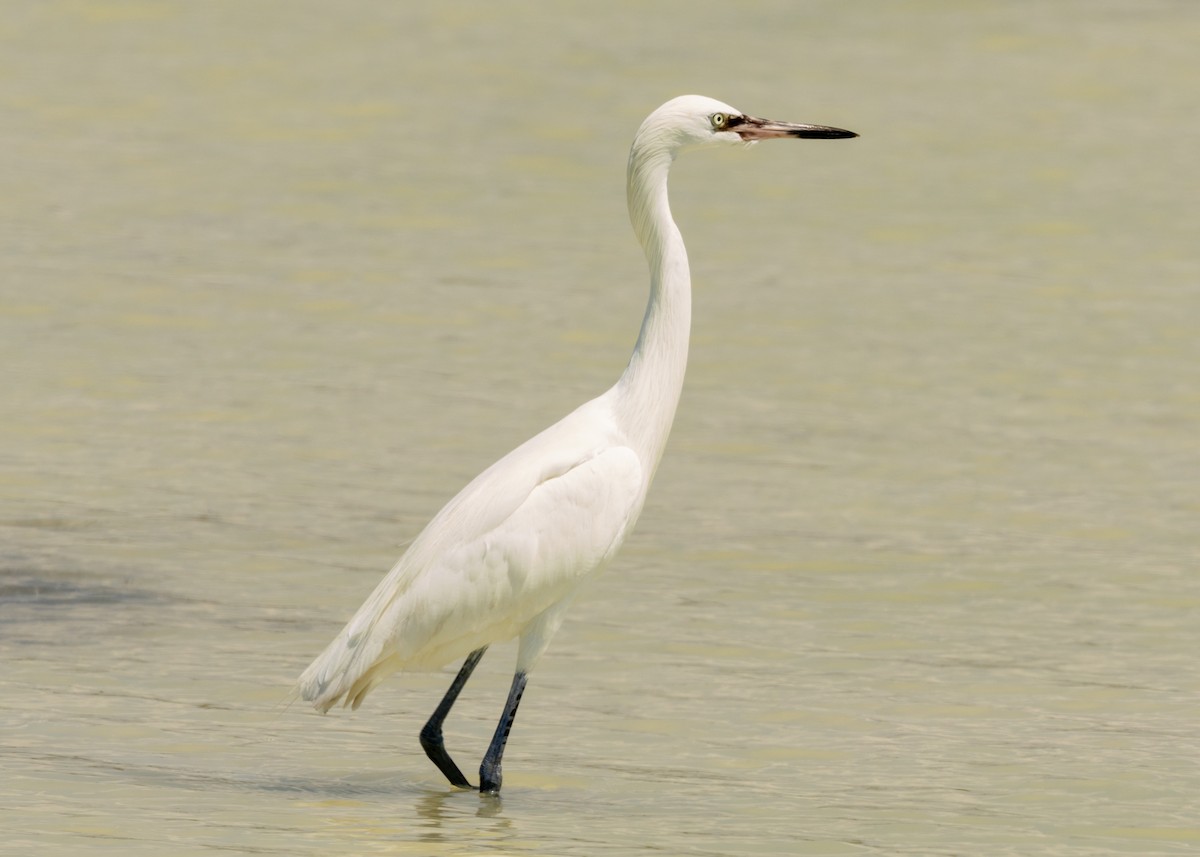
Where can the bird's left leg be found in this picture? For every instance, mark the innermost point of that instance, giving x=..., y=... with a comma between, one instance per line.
x=489, y=771
x=533, y=642
x=431, y=733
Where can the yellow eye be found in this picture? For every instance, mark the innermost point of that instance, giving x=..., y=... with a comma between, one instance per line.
x=719, y=120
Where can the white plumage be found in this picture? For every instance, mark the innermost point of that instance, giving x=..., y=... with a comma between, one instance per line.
x=504, y=558
x=494, y=561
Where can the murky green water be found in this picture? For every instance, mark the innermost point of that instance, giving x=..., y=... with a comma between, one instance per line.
x=919, y=572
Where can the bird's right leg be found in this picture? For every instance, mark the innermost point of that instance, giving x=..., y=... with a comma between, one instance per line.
x=431, y=733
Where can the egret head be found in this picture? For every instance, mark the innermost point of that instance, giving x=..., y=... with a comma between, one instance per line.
x=690, y=121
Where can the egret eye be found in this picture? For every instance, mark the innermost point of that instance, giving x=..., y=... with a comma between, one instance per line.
x=719, y=120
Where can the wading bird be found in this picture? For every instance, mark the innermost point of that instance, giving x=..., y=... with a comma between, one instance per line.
x=507, y=555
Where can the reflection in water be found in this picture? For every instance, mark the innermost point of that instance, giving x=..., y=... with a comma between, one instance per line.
x=440, y=812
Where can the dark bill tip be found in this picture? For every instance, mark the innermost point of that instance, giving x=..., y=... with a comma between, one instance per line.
x=822, y=132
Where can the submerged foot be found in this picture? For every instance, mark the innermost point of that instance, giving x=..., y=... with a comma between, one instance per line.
x=489, y=779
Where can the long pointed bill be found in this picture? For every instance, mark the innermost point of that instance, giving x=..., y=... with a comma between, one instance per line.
x=751, y=128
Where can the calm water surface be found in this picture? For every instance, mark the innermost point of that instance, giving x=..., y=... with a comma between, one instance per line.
x=919, y=572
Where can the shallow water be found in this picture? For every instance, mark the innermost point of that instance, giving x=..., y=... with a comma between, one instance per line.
x=919, y=571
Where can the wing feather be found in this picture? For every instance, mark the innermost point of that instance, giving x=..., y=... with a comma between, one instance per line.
x=521, y=536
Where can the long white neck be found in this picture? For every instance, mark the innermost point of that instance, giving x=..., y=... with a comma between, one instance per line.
x=648, y=391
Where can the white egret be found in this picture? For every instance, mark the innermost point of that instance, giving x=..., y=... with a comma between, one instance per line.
x=507, y=555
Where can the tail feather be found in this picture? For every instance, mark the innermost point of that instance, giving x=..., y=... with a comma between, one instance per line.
x=355, y=661
x=319, y=683
x=350, y=667
x=334, y=673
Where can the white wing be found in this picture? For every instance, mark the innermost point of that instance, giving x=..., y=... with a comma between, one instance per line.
x=515, y=541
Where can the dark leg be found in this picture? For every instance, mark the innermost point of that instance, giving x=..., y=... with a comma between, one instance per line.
x=431, y=734
x=489, y=771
